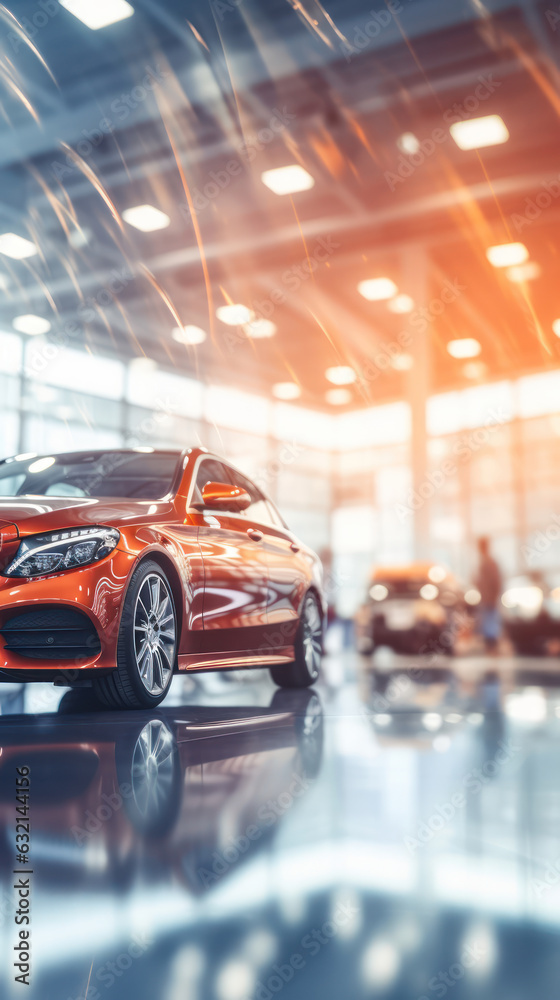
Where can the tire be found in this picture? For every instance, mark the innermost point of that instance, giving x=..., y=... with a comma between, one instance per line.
x=305, y=669
x=308, y=713
x=146, y=651
x=78, y=702
x=529, y=647
x=381, y=679
x=447, y=648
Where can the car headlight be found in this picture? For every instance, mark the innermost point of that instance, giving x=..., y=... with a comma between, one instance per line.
x=378, y=592
x=553, y=603
x=473, y=597
x=525, y=600
x=59, y=550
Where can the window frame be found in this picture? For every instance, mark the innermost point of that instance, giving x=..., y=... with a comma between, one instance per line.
x=242, y=517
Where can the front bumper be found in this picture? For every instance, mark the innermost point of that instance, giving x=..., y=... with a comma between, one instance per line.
x=399, y=624
x=543, y=625
x=95, y=591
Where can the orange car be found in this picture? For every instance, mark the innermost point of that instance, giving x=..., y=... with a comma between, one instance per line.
x=118, y=568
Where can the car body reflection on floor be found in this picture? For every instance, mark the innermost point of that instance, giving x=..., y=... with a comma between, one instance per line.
x=189, y=790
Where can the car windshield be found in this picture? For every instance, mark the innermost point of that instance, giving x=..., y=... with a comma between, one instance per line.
x=139, y=476
x=402, y=585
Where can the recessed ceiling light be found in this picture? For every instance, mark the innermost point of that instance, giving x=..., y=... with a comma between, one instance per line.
x=98, y=13
x=79, y=237
x=556, y=327
x=507, y=254
x=408, y=143
x=16, y=246
x=377, y=289
x=479, y=132
x=33, y=325
x=475, y=369
x=65, y=412
x=341, y=375
x=259, y=328
x=286, y=390
x=402, y=362
x=235, y=314
x=142, y=366
x=44, y=393
x=401, y=304
x=529, y=271
x=466, y=348
x=146, y=218
x=189, y=335
x=338, y=397
x=288, y=180
x=437, y=574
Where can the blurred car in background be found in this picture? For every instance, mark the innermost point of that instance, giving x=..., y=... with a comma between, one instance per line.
x=416, y=608
x=423, y=721
x=531, y=613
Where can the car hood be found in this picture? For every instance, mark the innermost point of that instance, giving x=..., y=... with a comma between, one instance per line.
x=34, y=514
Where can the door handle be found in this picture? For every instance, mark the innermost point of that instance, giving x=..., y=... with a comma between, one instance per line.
x=294, y=547
x=254, y=534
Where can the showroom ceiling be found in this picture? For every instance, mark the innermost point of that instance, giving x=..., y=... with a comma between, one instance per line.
x=195, y=101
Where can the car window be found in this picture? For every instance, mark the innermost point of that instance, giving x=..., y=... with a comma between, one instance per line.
x=126, y=474
x=10, y=485
x=258, y=510
x=276, y=518
x=261, y=510
x=64, y=490
x=209, y=471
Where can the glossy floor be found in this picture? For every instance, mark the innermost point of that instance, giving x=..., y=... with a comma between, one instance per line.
x=396, y=834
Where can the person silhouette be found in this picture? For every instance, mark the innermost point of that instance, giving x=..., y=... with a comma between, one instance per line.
x=489, y=584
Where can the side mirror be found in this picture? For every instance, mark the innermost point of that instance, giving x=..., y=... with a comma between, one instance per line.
x=224, y=496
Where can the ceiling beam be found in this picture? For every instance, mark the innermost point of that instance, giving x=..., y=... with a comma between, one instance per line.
x=198, y=80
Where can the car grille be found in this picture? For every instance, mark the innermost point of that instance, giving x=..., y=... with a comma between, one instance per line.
x=51, y=634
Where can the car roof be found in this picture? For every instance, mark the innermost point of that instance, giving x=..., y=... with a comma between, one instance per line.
x=87, y=453
x=407, y=571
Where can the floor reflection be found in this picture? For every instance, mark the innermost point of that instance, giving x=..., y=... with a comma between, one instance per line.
x=189, y=791
x=394, y=835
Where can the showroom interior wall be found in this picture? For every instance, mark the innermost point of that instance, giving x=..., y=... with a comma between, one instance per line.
x=493, y=452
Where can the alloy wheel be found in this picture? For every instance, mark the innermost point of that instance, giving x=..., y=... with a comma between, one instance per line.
x=155, y=634
x=152, y=768
x=312, y=635
x=313, y=718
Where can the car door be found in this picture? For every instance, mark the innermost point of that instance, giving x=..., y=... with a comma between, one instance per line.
x=235, y=570
x=288, y=568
